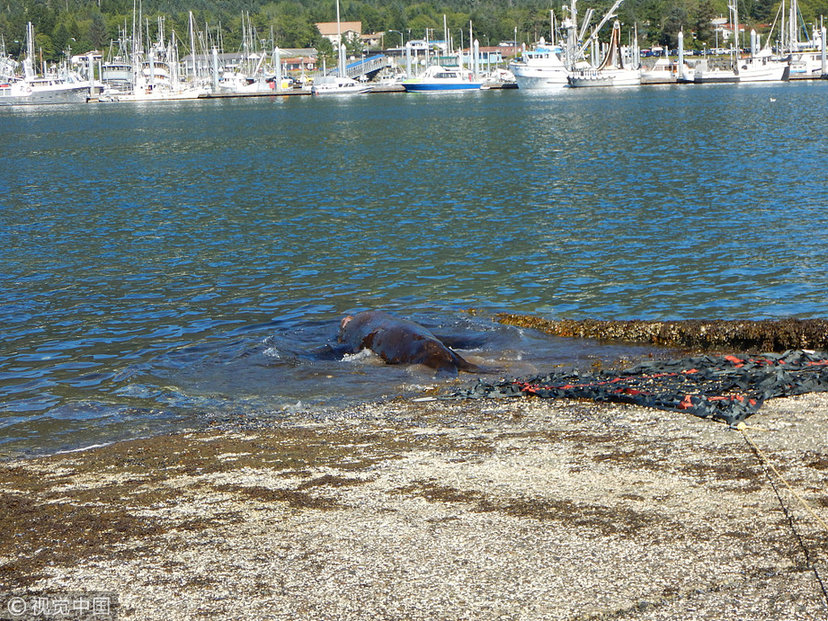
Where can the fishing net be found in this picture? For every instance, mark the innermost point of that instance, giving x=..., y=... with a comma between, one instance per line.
x=727, y=388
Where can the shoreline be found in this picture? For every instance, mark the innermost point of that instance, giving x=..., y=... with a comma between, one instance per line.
x=519, y=508
x=732, y=335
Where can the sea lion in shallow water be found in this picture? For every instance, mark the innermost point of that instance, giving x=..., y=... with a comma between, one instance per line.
x=399, y=341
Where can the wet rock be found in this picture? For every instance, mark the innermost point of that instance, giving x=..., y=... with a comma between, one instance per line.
x=776, y=335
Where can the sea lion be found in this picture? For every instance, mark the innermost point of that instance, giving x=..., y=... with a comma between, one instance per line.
x=399, y=341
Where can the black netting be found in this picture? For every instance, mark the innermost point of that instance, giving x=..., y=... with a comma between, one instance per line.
x=728, y=388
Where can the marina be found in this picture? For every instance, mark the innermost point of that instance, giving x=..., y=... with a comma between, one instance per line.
x=146, y=68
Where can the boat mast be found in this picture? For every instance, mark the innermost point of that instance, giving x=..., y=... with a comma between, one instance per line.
x=340, y=46
x=192, y=47
x=734, y=15
x=571, y=35
x=552, y=27
x=28, y=64
x=137, y=44
x=594, y=36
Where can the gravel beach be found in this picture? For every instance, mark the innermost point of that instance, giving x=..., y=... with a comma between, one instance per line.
x=489, y=509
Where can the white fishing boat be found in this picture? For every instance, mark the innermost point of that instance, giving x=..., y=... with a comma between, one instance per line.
x=440, y=79
x=540, y=68
x=664, y=71
x=43, y=90
x=116, y=69
x=54, y=88
x=612, y=72
x=762, y=65
x=762, y=68
x=704, y=74
x=759, y=68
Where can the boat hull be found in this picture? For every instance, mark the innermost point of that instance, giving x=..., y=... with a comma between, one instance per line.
x=340, y=91
x=431, y=87
x=17, y=97
x=716, y=77
x=597, y=79
x=538, y=76
x=537, y=79
x=771, y=72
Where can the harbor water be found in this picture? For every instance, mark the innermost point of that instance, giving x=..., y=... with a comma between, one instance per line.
x=169, y=265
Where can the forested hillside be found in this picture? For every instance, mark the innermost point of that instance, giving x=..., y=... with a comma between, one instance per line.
x=82, y=25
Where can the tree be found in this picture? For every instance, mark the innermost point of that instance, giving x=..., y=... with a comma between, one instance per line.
x=703, y=25
x=97, y=31
x=61, y=38
x=675, y=22
x=44, y=48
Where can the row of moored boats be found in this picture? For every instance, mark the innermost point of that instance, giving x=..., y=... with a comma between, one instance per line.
x=573, y=63
x=154, y=72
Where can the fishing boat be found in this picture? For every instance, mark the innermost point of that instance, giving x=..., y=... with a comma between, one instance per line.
x=807, y=64
x=704, y=74
x=53, y=88
x=664, y=71
x=43, y=90
x=612, y=72
x=439, y=79
x=760, y=66
x=540, y=68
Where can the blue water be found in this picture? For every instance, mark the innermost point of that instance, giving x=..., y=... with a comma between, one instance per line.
x=170, y=264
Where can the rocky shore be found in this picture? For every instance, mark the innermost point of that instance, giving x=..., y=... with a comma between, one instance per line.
x=507, y=509
x=771, y=335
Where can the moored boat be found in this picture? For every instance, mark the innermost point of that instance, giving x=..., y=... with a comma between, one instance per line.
x=53, y=88
x=540, y=68
x=438, y=79
x=43, y=90
x=334, y=85
x=664, y=71
x=612, y=72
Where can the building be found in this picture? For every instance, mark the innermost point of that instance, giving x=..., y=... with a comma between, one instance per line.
x=332, y=30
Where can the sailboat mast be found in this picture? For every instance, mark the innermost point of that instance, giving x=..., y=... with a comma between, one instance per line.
x=734, y=16
x=192, y=46
x=339, y=47
x=552, y=27
x=793, y=37
x=572, y=35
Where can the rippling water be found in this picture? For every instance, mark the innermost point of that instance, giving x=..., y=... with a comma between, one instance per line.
x=167, y=264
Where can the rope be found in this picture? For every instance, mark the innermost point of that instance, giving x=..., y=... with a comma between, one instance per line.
x=767, y=466
x=742, y=427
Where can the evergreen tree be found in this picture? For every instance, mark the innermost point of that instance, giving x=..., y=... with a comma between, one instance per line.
x=97, y=31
